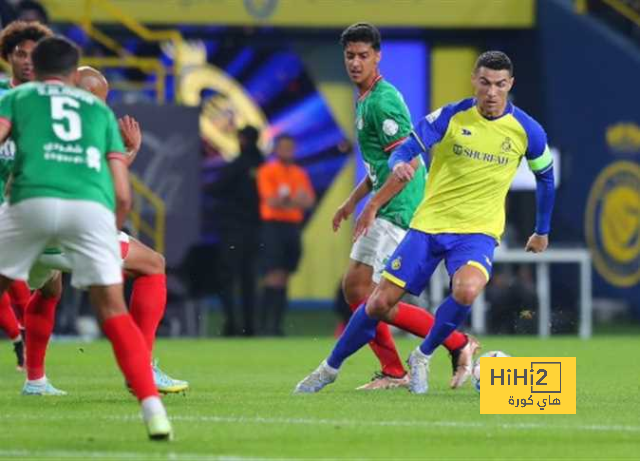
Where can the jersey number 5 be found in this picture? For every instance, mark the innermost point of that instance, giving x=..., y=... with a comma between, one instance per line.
x=67, y=125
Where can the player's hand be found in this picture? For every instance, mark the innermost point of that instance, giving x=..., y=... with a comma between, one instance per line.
x=342, y=214
x=131, y=134
x=404, y=171
x=365, y=221
x=537, y=243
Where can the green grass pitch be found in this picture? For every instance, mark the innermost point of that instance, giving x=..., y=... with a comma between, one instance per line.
x=240, y=406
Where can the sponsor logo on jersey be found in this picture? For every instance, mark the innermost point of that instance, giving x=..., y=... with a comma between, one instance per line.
x=8, y=150
x=612, y=223
x=481, y=156
x=359, y=123
x=390, y=127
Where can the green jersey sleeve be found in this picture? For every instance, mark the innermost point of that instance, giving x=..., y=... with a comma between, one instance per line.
x=6, y=106
x=115, y=144
x=392, y=119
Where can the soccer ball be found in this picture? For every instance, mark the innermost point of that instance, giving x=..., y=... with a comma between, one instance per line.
x=475, y=371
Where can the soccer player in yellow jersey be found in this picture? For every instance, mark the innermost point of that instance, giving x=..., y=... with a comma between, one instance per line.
x=476, y=147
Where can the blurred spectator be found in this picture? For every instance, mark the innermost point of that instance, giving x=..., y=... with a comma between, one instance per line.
x=7, y=14
x=285, y=193
x=514, y=301
x=31, y=10
x=238, y=218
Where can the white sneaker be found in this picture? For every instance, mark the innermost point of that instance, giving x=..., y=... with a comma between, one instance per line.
x=159, y=428
x=45, y=388
x=419, y=372
x=316, y=381
x=380, y=381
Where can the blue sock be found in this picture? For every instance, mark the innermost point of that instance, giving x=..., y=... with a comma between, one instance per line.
x=360, y=330
x=449, y=316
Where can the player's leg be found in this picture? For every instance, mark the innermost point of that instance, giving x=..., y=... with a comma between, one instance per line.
x=25, y=229
x=358, y=283
x=20, y=294
x=87, y=233
x=412, y=275
x=415, y=319
x=148, y=300
x=468, y=259
x=39, y=323
x=274, y=276
x=248, y=279
x=149, y=296
x=9, y=324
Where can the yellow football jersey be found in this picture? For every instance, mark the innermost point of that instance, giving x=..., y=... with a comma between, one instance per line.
x=473, y=162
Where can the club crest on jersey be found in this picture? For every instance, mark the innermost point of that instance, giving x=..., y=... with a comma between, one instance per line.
x=396, y=263
x=359, y=123
x=390, y=127
x=506, y=145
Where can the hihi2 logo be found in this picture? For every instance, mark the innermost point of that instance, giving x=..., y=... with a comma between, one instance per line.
x=528, y=385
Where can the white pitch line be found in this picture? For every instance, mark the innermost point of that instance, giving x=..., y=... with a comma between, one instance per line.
x=82, y=454
x=340, y=422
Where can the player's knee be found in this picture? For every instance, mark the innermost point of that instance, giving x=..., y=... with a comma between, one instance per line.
x=466, y=292
x=53, y=288
x=353, y=294
x=379, y=305
x=157, y=263
x=355, y=288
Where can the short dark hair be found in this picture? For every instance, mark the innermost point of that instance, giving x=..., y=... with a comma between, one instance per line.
x=54, y=56
x=250, y=133
x=494, y=60
x=19, y=31
x=361, y=32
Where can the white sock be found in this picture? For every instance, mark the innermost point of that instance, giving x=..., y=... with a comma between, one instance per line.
x=422, y=354
x=152, y=406
x=330, y=369
x=38, y=382
x=17, y=339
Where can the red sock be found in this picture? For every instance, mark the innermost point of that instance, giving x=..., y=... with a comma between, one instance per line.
x=39, y=319
x=20, y=295
x=131, y=354
x=418, y=321
x=8, y=322
x=147, y=305
x=385, y=349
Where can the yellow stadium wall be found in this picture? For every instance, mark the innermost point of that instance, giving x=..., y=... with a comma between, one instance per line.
x=451, y=69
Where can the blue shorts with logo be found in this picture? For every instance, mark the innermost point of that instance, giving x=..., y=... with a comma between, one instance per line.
x=416, y=258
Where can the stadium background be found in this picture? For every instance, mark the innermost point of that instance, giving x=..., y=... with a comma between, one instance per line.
x=192, y=71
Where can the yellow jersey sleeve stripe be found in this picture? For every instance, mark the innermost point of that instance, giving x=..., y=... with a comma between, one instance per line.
x=541, y=163
x=392, y=278
x=477, y=265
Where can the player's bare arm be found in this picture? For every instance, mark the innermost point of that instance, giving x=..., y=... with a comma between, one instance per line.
x=391, y=187
x=349, y=205
x=120, y=172
x=5, y=131
x=537, y=243
x=131, y=135
x=404, y=171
